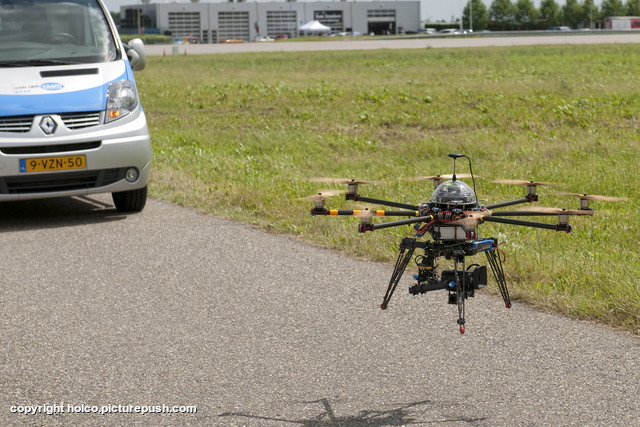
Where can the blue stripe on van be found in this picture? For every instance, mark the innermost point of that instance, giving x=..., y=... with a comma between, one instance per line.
x=92, y=99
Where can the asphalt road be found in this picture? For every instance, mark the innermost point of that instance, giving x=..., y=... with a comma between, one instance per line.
x=541, y=38
x=171, y=307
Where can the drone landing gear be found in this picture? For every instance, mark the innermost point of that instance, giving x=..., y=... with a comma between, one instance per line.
x=460, y=282
x=407, y=247
x=498, y=273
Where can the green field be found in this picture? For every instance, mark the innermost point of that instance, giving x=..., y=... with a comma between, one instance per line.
x=239, y=136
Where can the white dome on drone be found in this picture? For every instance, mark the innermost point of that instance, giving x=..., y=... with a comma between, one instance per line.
x=453, y=193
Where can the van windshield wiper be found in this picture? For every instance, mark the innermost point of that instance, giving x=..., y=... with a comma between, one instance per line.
x=36, y=63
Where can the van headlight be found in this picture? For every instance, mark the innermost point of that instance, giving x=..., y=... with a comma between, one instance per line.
x=122, y=99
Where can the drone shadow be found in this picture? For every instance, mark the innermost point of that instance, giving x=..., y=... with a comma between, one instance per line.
x=400, y=416
x=55, y=213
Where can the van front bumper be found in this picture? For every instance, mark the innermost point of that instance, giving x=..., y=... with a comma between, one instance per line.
x=109, y=151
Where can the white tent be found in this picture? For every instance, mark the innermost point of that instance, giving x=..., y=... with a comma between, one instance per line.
x=314, y=27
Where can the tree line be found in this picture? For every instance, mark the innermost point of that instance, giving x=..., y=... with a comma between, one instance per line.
x=506, y=15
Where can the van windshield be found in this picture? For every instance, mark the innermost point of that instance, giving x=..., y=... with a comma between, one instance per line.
x=53, y=32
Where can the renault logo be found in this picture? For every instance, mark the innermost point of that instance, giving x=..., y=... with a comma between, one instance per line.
x=48, y=125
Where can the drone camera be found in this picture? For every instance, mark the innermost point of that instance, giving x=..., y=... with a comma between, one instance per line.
x=476, y=277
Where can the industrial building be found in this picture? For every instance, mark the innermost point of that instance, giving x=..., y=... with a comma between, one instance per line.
x=248, y=21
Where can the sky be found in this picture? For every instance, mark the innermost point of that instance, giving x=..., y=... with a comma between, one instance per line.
x=434, y=10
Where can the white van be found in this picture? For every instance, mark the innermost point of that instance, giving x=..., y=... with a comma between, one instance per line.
x=70, y=119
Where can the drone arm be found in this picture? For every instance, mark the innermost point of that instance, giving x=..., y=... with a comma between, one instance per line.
x=356, y=212
x=371, y=227
x=511, y=202
x=556, y=227
x=357, y=198
x=529, y=213
x=360, y=212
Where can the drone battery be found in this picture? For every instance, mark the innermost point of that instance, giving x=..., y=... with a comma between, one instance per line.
x=483, y=245
x=452, y=233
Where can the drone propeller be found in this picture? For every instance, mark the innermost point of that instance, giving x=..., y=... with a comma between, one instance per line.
x=472, y=219
x=585, y=198
x=595, y=197
x=352, y=189
x=531, y=186
x=344, y=181
x=526, y=183
x=437, y=177
x=322, y=194
x=318, y=199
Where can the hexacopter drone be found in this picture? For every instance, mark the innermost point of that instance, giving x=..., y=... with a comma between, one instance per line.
x=451, y=217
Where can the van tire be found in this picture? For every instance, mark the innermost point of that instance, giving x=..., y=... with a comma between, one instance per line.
x=130, y=201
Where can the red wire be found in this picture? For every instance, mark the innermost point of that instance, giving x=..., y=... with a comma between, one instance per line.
x=424, y=228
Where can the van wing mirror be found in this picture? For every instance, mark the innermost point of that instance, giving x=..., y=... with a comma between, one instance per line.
x=136, y=54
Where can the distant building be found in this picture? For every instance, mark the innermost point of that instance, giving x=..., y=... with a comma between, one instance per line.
x=217, y=22
x=622, y=23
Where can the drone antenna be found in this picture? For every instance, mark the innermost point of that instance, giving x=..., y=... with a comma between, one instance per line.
x=455, y=156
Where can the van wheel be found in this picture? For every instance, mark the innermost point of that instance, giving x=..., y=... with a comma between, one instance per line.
x=130, y=201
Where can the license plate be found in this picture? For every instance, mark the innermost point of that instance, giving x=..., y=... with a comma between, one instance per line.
x=49, y=164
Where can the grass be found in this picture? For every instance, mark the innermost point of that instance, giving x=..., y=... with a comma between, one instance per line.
x=239, y=136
